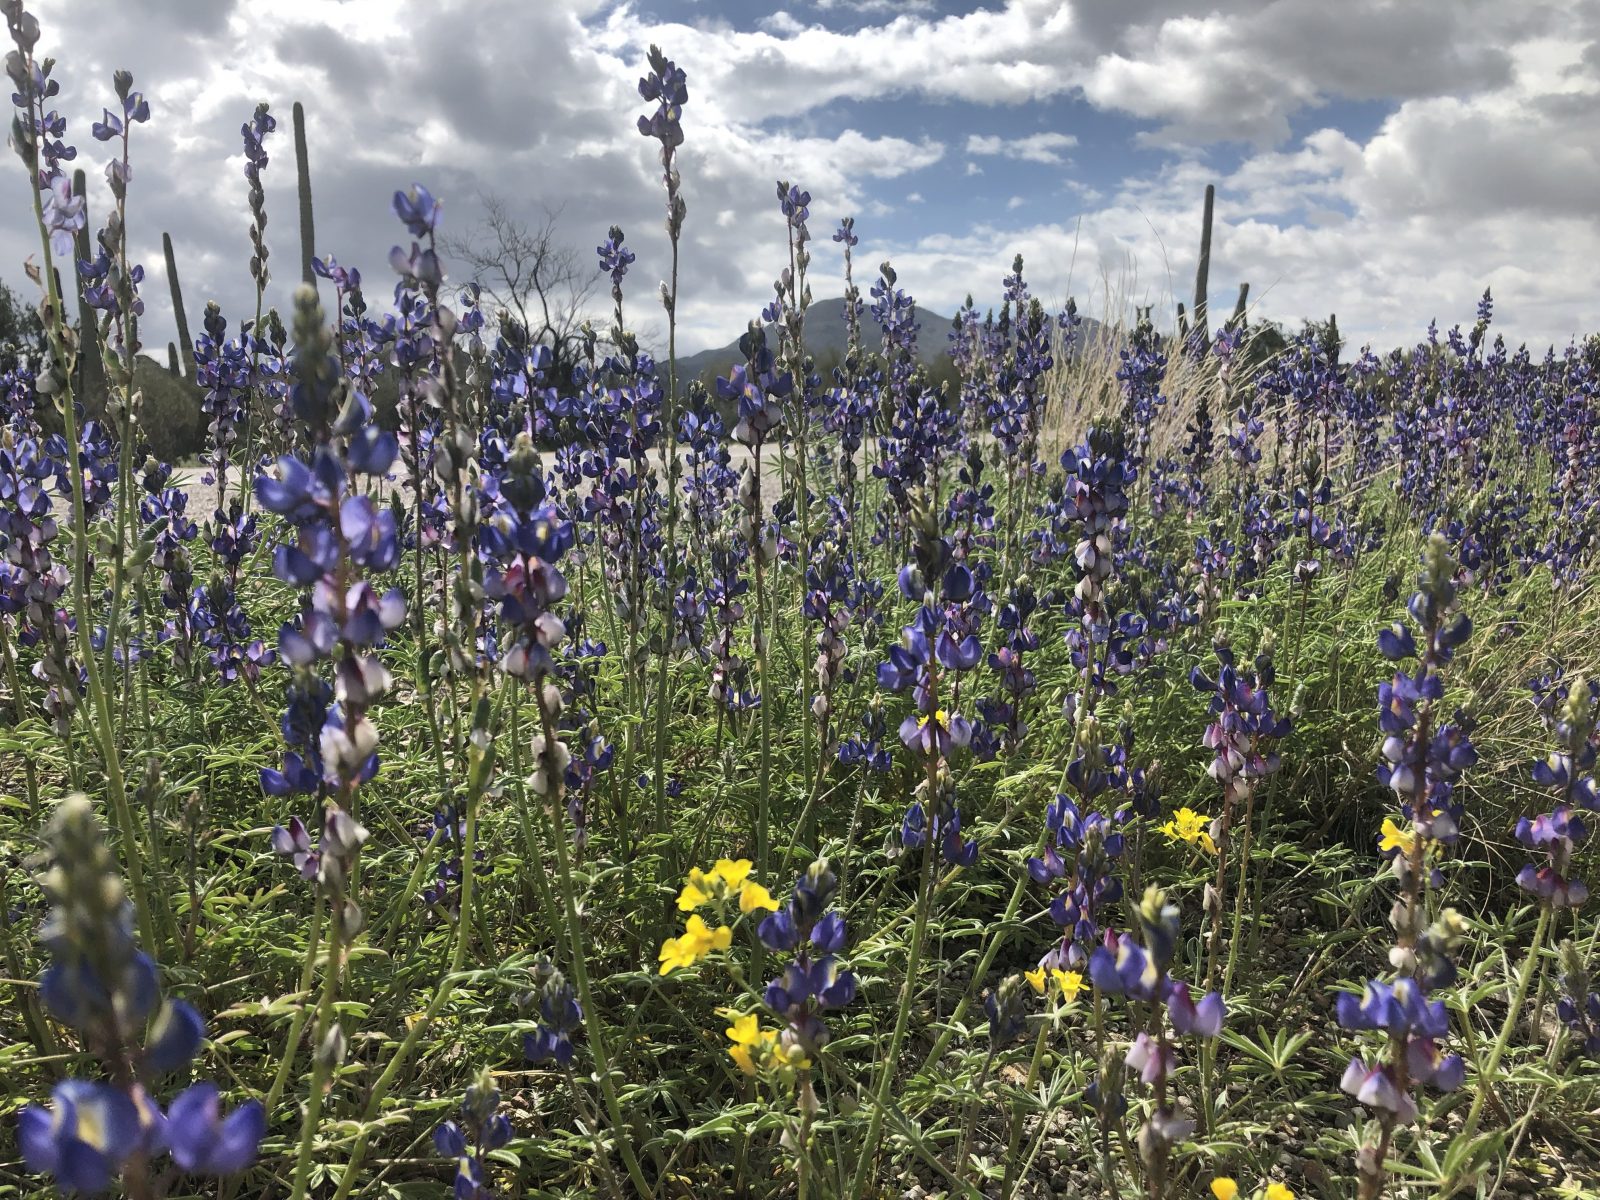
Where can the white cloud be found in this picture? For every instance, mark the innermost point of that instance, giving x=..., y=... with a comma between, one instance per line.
x=875, y=8
x=1446, y=198
x=1034, y=148
x=1482, y=171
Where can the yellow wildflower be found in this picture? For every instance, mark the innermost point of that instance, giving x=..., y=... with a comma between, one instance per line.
x=697, y=941
x=1224, y=1188
x=732, y=871
x=780, y=1055
x=1192, y=827
x=746, y=1027
x=675, y=954
x=1279, y=1191
x=700, y=889
x=1394, y=838
x=753, y=896
x=727, y=877
x=755, y=1048
x=1070, y=983
x=745, y=1034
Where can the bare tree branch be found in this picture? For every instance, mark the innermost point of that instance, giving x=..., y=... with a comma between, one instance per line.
x=530, y=271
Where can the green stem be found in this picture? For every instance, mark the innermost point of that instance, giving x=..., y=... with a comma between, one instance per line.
x=764, y=675
x=880, y=1100
x=322, y=1068
x=670, y=465
x=1513, y=1015
x=1009, y=1183
x=1239, y=905
x=102, y=724
x=997, y=939
x=480, y=767
x=972, y=1113
x=297, y=1023
x=580, y=969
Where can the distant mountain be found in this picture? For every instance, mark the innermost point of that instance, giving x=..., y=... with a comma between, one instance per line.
x=827, y=338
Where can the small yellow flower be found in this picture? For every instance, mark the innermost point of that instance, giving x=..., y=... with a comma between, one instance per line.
x=745, y=1034
x=753, y=896
x=727, y=877
x=745, y=1030
x=697, y=941
x=1279, y=1191
x=780, y=1055
x=1070, y=983
x=1224, y=1188
x=732, y=871
x=1394, y=838
x=719, y=938
x=1191, y=827
x=755, y=1048
x=700, y=889
x=674, y=954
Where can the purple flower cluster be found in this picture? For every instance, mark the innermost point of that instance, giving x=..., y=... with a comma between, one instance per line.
x=814, y=981
x=481, y=1130
x=1568, y=771
x=1093, y=844
x=1139, y=969
x=102, y=985
x=559, y=1014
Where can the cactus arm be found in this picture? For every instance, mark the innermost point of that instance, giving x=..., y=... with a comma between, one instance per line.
x=302, y=163
x=184, y=340
x=1203, y=271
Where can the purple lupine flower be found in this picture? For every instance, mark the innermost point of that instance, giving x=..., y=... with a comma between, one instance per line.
x=101, y=984
x=204, y=1142
x=1007, y=1009
x=1422, y=760
x=481, y=1130
x=813, y=981
x=1568, y=771
x=559, y=1015
x=940, y=640
x=341, y=537
x=1092, y=843
x=85, y=1137
x=1139, y=970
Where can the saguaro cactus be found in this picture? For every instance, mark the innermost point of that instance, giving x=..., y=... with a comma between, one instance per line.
x=302, y=162
x=1203, y=271
x=184, y=340
x=1239, y=307
x=92, y=383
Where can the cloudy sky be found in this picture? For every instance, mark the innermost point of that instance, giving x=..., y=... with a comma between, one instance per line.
x=1381, y=159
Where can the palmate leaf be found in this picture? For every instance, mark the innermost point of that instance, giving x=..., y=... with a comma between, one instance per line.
x=1274, y=1055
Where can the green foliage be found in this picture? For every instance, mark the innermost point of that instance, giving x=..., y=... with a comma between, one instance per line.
x=21, y=334
x=171, y=418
